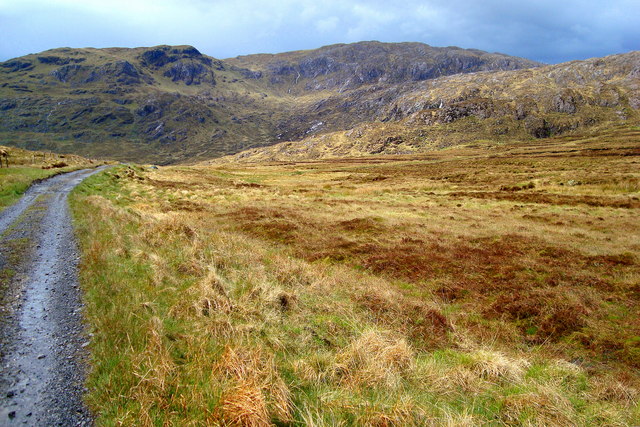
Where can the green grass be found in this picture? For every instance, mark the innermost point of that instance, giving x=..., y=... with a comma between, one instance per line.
x=13, y=252
x=14, y=181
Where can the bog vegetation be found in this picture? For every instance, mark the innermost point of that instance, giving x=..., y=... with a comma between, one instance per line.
x=462, y=287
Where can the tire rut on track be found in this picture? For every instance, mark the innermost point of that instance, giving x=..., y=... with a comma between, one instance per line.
x=42, y=340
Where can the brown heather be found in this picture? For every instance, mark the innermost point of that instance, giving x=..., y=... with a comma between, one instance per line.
x=467, y=286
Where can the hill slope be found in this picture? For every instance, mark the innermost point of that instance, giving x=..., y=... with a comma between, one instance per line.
x=173, y=104
x=166, y=104
x=343, y=67
x=472, y=108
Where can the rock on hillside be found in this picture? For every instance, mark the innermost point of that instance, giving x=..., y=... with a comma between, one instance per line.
x=349, y=66
x=461, y=109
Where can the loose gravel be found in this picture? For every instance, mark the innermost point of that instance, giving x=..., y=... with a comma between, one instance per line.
x=43, y=344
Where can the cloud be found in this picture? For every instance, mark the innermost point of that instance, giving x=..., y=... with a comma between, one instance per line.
x=327, y=24
x=546, y=30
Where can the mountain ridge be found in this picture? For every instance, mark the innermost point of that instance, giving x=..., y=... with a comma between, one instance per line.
x=460, y=109
x=168, y=104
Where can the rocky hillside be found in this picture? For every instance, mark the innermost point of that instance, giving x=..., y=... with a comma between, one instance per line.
x=167, y=104
x=161, y=104
x=479, y=108
x=349, y=66
x=170, y=104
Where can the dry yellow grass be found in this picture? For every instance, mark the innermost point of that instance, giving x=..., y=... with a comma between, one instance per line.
x=414, y=291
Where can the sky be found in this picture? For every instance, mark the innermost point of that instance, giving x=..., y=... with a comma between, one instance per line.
x=549, y=31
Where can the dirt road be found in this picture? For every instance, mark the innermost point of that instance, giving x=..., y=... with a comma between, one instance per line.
x=42, y=341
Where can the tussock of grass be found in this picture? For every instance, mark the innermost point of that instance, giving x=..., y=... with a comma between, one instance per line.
x=493, y=365
x=374, y=358
x=319, y=299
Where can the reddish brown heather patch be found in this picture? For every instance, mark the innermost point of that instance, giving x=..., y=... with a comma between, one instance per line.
x=549, y=292
x=275, y=230
x=364, y=178
x=485, y=263
x=259, y=213
x=552, y=199
x=626, y=259
x=334, y=248
x=241, y=184
x=183, y=205
x=451, y=292
x=493, y=263
x=278, y=225
x=363, y=225
x=546, y=313
x=168, y=184
x=614, y=343
x=426, y=325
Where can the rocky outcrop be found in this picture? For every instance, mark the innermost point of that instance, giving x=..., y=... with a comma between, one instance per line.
x=353, y=65
x=190, y=72
x=121, y=72
x=156, y=58
x=17, y=65
x=565, y=102
x=68, y=72
x=163, y=55
x=7, y=104
x=182, y=64
x=58, y=60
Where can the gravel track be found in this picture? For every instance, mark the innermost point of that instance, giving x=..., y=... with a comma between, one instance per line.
x=42, y=338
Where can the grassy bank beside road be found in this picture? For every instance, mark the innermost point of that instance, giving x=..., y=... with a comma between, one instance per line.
x=25, y=167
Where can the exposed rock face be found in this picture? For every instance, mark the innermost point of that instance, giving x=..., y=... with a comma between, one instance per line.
x=163, y=55
x=67, y=72
x=189, y=72
x=249, y=74
x=7, y=104
x=121, y=71
x=480, y=108
x=565, y=103
x=17, y=65
x=156, y=57
x=58, y=60
x=149, y=109
x=353, y=65
x=115, y=72
x=183, y=64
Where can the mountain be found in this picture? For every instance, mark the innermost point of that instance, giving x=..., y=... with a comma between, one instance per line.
x=343, y=67
x=481, y=107
x=171, y=103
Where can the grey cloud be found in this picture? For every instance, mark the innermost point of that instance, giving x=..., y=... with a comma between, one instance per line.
x=549, y=31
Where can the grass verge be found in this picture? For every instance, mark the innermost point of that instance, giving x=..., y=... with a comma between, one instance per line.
x=29, y=166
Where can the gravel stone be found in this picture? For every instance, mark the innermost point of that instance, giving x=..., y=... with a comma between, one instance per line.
x=41, y=351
